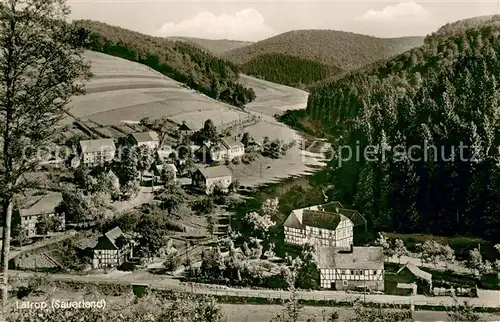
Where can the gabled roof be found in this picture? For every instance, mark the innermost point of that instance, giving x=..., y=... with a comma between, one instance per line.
x=320, y=219
x=184, y=127
x=145, y=136
x=316, y=217
x=112, y=236
x=89, y=146
x=215, y=172
x=231, y=143
x=41, y=205
x=416, y=271
x=359, y=258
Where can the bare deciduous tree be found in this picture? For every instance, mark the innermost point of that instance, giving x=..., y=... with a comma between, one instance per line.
x=41, y=68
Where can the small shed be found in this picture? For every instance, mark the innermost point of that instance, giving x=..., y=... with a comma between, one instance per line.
x=411, y=273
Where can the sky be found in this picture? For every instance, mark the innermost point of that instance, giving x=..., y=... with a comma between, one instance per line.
x=257, y=20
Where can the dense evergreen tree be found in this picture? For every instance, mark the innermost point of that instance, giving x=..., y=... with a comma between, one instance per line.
x=422, y=105
x=288, y=70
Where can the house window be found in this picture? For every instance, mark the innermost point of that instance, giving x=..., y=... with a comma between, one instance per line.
x=374, y=272
x=342, y=272
x=345, y=283
x=352, y=272
x=366, y=272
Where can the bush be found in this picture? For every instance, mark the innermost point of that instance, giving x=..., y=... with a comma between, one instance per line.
x=172, y=263
x=236, y=161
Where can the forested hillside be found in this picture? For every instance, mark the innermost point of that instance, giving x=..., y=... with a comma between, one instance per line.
x=345, y=50
x=462, y=25
x=288, y=70
x=179, y=60
x=216, y=46
x=423, y=129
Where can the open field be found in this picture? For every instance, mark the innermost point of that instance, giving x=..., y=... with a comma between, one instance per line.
x=126, y=91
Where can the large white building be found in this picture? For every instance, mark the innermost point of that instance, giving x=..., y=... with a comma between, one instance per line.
x=228, y=149
x=149, y=139
x=357, y=268
x=99, y=151
x=319, y=226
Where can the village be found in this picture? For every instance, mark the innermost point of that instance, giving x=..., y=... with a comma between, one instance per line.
x=164, y=204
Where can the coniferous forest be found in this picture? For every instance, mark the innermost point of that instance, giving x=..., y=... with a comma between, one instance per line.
x=178, y=60
x=443, y=94
x=288, y=70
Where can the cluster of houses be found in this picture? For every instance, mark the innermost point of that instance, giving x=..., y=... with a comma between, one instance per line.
x=36, y=208
x=343, y=266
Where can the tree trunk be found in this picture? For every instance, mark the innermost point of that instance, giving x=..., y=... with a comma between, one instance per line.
x=7, y=219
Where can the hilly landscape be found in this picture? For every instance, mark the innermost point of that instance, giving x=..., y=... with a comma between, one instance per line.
x=414, y=111
x=461, y=25
x=345, y=50
x=181, y=61
x=215, y=46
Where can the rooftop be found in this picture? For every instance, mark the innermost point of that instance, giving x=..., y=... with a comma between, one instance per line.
x=145, y=136
x=97, y=145
x=359, y=258
x=215, y=172
x=113, y=234
x=41, y=204
x=416, y=271
x=231, y=142
x=320, y=219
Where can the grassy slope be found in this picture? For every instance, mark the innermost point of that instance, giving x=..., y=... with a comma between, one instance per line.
x=338, y=48
x=215, y=46
x=181, y=61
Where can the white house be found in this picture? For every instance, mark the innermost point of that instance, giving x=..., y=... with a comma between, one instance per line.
x=110, y=251
x=206, y=179
x=149, y=139
x=37, y=207
x=97, y=151
x=357, y=268
x=227, y=149
x=317, y=226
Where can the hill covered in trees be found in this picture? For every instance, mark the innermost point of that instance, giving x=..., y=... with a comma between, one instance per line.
x=417, y=137
x=215, y=46
x=288, y=70
x=181, y=61
x=345, y=50
x=462, y=25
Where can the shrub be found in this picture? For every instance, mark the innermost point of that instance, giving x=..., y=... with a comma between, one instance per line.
x=172, y=263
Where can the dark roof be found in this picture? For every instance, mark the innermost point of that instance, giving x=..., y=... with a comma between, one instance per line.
x=41, y=205
x=113, y=234
x=145, y=136
x=184, y=127
x=359, y=258
x=320, y=219
x=215, y=172
x=416, y=271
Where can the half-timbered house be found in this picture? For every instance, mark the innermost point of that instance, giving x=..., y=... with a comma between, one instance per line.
x=319, y=226
x=358, y=268
x=112, y=249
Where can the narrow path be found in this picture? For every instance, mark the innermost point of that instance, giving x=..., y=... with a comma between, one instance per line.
x=485, y=299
